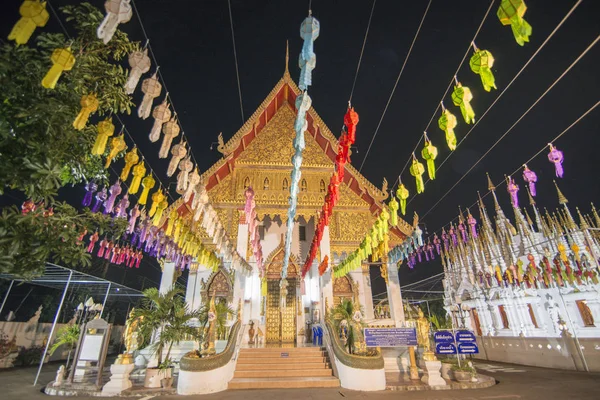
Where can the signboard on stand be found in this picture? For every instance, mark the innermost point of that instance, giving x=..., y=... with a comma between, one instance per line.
x=461, y=342
x=390, y=337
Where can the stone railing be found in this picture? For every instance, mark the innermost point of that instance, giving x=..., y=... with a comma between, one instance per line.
x=352, y=360
x=193, y=363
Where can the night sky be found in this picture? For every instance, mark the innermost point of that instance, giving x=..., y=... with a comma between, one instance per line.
x=192, y=42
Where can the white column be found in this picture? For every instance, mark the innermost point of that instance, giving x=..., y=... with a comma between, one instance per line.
x=240, y=280
x=168, y=277
x=394, y=294
x=367, y=292
x=327, y=279
x=202, y=274
x=190, y=291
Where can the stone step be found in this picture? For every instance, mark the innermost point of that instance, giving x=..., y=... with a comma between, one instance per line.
x=282, y=349
x=281, y=366
x=280, y=360
x=281, y=354
x=282, y=373
x=284, y=383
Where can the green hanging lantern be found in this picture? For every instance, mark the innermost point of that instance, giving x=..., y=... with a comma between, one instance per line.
x=402, y=193
x=511, y=13
x=447, y=123
x=429, y=154
x=481, y=63
x=417, y=170
x=461, y=97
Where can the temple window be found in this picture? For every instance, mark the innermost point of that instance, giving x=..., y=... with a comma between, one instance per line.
x=586, y=313
x=504, y=317
x=532, y=315
x=246, y=183
x=322, y=186
x=303, y=186
x=286, y=185
x=302, y=233
x=266, y=184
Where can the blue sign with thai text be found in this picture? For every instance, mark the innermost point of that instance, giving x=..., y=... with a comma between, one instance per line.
x=468, y=348
x=465, y=337
x=390, y=337
x=443, y=337
x=445, y=348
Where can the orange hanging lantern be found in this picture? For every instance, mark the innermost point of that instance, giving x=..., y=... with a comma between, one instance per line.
x=63, y=60
x=89, y=104
x=105, y=130
x=33, y=15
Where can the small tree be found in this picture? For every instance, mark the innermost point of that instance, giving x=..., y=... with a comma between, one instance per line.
x=67, y=336
x=346, y=311
x=223, y=313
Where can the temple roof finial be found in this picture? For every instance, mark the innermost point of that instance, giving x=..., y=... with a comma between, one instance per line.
x=287, y=57
x=582, y=222
x=531, y=200
x=561, y=197
x=490, y=183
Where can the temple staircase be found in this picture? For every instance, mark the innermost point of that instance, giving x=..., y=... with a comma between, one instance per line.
x=296, y=367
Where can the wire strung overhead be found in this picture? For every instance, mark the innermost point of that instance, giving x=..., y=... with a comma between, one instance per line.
x=395, y=84
x=591, y=45
x=362, y=51
x=237, y=72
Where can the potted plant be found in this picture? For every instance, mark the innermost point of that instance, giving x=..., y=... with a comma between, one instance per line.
x=464, y=372
x=165, y=320
x=166, y=373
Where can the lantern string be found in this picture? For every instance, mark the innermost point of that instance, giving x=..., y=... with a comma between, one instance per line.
x=449, y=86
x=542, y=150
x=519, y=120
x=512, y=81
x=361, y=53
x=395, y=85
x=237, y=72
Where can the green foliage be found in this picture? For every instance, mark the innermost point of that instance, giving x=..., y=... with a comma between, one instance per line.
x=167, y=316
x=223, y=312
x=27, y=241
x=345, y=311
x=41, y=151
x=67, y=336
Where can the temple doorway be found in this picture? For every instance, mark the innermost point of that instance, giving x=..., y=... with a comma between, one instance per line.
x=281, y=326
x=343, y=288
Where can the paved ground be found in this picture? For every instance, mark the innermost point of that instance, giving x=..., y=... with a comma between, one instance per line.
x=515, y=382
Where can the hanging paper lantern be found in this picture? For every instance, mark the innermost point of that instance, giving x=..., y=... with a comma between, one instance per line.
x=131, y=158
x=178, y=152
x=147, y=183
x=350, y=121
x=402, y=194
x=393, y=205
x=140, y=64
x=151, y=88
x=33, y=14
x=101, y=196
x=185, y=167
x=309, y=32
x=117, y=145
x=417, y=170
x=89, y=104
x=461, y=97
x=511, y=13
x=138, y=173
x=161, y=114
x=556, y=157
x=194, y=179
x=531, y=178
x=62, y=60
x=90, y=189
x=472, y=222
x=117, y=12
x=513, y=190
x=171, y=130
x=121, y=209
x=481, y=63
x=447, y=123
x=105, y=130
x=114, y=190
x=429, y=154
x=162, y=206
x=157, y=198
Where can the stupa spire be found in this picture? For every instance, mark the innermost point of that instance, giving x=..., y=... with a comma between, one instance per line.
x=570, y=222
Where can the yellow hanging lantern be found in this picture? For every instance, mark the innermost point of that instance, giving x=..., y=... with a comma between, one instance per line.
x=481, y=63
x=447, y=123
x=429, y=154
x=147, y=183
x=511, y=13
x=62, y=60
x=402, y=193
x=117, y=145
x=131, y=158
x=162, y=206
x=105, y=130
x=157, y=198
x=393, y=205
x=138, y=173
x=33, y=14
x=461, y=97
x=89, y=104
x=417, y=170
x=171, y=222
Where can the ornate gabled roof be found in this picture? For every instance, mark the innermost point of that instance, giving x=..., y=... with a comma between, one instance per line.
x=284, y=95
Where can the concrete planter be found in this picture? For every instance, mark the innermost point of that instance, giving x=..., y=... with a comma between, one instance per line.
x=155, y=375
x=446, y=371
x=462, y=376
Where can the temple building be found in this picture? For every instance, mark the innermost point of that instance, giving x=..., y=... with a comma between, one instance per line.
x=259, y=156
x=521, y=284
